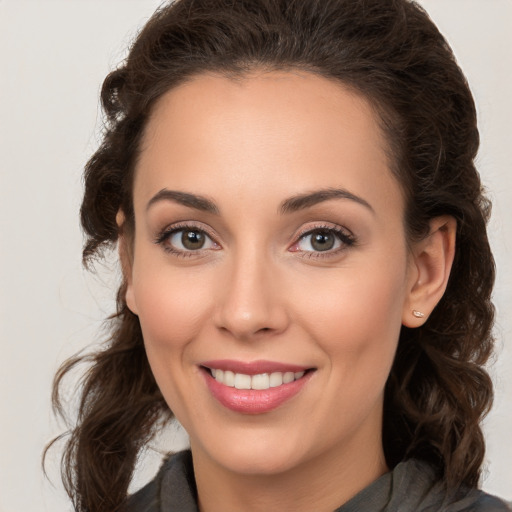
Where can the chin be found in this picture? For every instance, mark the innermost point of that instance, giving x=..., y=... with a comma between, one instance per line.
x=253, y=455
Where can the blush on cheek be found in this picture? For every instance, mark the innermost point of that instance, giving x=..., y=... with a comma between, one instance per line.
x=169, y=314
x=358, y=317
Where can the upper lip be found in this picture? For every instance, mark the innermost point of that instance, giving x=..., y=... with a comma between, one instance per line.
x=253, y=367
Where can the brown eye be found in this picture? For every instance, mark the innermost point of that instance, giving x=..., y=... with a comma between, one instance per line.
x=187, y=240
x=322, y=240
x=192, y=240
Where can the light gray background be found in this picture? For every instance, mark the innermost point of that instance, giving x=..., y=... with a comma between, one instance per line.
x=53, y=57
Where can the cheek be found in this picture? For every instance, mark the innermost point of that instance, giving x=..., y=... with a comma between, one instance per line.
x=356, y=318
x=172, y=311
x=170, y=304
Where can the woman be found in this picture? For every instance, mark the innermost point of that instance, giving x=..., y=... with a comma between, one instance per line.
x=306, y=271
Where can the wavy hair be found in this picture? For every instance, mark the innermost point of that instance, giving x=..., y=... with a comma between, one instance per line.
x=392, y=54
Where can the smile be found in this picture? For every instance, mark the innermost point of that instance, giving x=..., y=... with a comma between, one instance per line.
x=254, y=388
x=260, y=381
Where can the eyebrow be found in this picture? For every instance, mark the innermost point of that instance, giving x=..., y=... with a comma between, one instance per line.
x=293, y=204
x=191, y=200
x=307, y=200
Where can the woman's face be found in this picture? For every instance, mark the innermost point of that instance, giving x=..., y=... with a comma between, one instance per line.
x=269, y=252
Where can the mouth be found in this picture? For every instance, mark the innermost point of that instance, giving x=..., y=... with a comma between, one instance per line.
x=254, y=388
x=260, y=381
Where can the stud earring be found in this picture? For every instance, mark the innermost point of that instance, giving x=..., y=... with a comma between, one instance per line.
x=418, y=314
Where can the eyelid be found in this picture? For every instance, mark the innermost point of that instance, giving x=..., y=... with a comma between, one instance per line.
x=164, y=234
x=344, y=235
x=327, y=226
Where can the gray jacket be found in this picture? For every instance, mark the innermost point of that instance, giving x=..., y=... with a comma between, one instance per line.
x=410, y=487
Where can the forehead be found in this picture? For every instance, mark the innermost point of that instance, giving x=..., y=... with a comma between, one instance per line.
x=272, y=133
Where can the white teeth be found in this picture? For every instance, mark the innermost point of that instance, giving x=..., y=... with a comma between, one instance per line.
x=288, y=377
x=242, y=381
x=229, y=379
x=261, y=381
x=276, y=379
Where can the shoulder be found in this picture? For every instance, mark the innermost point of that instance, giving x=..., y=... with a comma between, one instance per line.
x=487, y=503
x=172, y=489
x=145, y=499
x=416, y=486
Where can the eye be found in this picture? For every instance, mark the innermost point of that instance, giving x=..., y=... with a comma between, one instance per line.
x=319, y=241
x=186, y=240
x=323, y=240
x=189, y=240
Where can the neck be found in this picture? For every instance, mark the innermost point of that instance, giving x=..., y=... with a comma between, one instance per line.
x=322, y=483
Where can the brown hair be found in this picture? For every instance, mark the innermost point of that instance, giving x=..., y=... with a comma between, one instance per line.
x=392, y=54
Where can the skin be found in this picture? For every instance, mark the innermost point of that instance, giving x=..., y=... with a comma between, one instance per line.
x=258, y=289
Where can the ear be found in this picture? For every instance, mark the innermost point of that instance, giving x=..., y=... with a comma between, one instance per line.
x=126, y=258
x=431, y=263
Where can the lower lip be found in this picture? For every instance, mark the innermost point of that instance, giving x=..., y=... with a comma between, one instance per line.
x=254, y=401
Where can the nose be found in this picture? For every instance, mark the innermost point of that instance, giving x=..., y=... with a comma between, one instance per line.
x=251, y=299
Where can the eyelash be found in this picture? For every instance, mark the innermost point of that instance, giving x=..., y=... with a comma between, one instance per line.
x=166, y=234
x=346, y=239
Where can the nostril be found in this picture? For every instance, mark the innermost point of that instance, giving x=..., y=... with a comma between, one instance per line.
x=264, y=330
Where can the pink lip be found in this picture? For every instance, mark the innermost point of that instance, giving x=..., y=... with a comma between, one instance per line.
x=253, y=367
x=252, y=401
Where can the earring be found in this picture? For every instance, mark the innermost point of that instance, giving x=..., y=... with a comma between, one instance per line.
x=418, y=314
